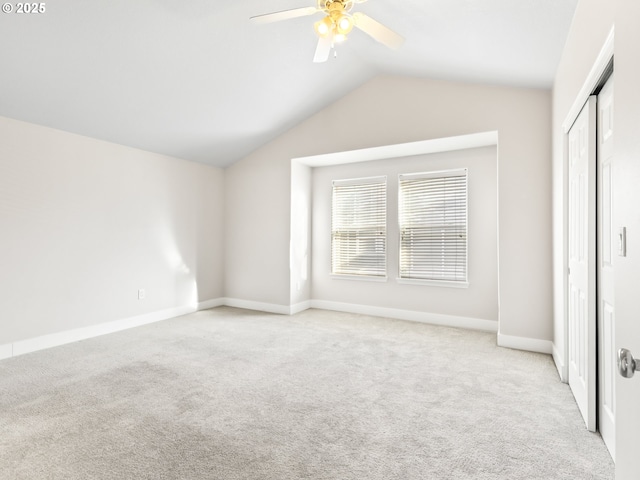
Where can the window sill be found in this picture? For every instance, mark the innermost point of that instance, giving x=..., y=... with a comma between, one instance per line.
x=363, y=278
x=433, y=283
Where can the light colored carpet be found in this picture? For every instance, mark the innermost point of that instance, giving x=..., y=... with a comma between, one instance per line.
x=232, y=394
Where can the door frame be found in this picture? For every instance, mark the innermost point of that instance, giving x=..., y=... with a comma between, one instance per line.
x=601, y=68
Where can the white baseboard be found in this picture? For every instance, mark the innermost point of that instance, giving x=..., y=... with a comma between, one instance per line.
x=216, y=302
x=523, y=343
x=6, y=351
x=61, y=338
x=300, y=307
x=267, y=307
x=68, y=336
x=411, y=315
x=558, y=359
x=259, y=306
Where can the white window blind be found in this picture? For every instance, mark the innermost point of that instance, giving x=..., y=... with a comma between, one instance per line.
x=359, y=227
x=433, y=226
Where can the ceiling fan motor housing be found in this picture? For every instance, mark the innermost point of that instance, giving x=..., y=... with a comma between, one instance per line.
x=326, y=5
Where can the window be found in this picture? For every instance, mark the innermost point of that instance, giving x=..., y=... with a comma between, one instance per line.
x=433, y=226
x=358, y=227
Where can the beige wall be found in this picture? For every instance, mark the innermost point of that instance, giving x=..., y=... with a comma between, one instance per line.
x=257, y=226
x=301, y=216
x=478, y=301
x=391, y=110
x=91, y=222
x=85, y=224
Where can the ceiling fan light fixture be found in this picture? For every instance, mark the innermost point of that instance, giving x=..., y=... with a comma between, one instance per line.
x=339, y=37
x=337, y=24
x=344, y=25
x=323, y=27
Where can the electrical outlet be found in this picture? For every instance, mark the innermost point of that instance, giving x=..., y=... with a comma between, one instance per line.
x=141, y=294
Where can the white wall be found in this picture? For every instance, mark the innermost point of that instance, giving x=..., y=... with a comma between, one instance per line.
x=591, y=25
x=86, y=223
x=392, y=110
x=479, y=301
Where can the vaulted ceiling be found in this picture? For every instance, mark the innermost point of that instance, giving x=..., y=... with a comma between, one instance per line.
x=196, y=80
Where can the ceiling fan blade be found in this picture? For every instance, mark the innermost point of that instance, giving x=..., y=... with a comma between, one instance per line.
x=284, y=15
x=323, y=49
x=382, y=34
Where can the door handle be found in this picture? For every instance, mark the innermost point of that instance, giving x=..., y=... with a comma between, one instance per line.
x=627, y=365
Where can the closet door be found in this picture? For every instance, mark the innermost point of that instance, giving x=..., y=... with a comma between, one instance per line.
x=582, y=262
x=607, y=246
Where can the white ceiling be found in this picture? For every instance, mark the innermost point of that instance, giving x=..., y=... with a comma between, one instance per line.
x=195, y=79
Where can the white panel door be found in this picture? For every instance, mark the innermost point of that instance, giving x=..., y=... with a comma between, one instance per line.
x=626, y=208
x=582, y=262
x=606, y=253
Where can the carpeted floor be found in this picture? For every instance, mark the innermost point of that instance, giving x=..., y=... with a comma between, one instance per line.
x=231, y=394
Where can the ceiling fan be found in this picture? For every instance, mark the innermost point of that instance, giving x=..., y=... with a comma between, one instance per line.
x=337, y=23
